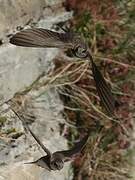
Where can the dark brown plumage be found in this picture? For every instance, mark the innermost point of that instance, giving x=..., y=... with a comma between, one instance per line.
x=103, y=89
x=56, y=160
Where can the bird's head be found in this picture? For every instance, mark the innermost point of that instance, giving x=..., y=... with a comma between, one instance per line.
x=81, y=51
x=80, y=47
x=57, y=161
x=57, y=164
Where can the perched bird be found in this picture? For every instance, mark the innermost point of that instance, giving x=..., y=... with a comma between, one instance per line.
x=43, y=38
x=55, y=161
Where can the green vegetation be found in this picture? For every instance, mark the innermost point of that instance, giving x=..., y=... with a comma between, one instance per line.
x=109, y=29
x=2, y=120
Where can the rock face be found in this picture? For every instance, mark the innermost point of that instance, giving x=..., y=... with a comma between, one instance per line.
x=21, y=12
x=19, y=67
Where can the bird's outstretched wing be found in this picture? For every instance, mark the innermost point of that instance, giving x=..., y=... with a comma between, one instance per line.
x=103, y=89
x=34, y=136
x=39, y=142
x=39, y=37
x=43, y=162
x=78, y=147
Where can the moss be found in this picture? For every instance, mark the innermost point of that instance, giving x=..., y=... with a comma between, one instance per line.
x=17, y=135
x=3, y=119
x=11, y=130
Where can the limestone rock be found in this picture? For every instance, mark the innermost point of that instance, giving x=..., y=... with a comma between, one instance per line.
x=19, y=67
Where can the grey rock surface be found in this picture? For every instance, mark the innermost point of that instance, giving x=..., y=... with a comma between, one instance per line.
x=21, y=12
x=18, y=13
x=19, y=67
x=14, y=152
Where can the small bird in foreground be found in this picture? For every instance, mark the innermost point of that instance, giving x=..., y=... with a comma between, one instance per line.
x=43, y=38
x=55, y=161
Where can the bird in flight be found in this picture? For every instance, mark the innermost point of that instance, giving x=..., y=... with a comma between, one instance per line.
x=55, y=161
x=44, y=38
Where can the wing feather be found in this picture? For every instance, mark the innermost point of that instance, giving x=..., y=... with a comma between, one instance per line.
x=39, y=37
x=104, y=91
x=68, y=154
